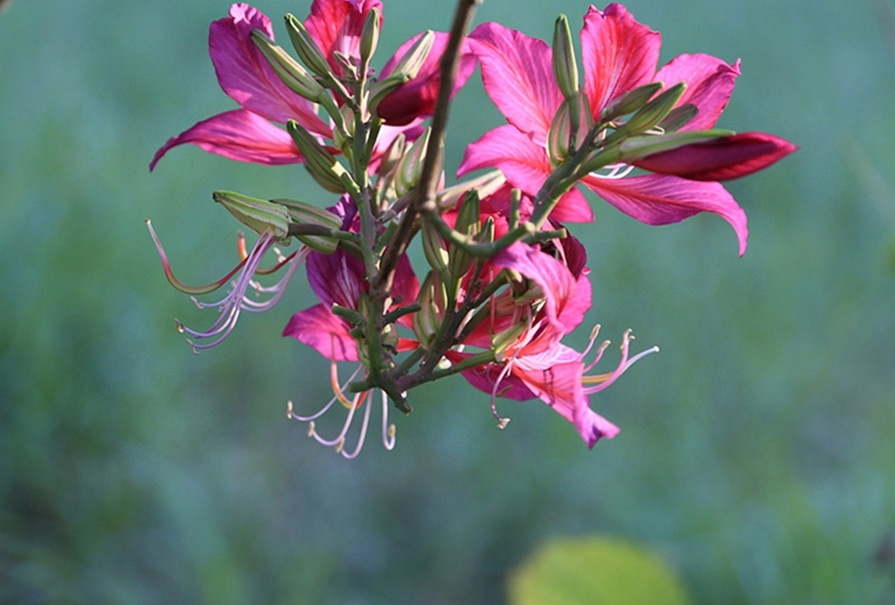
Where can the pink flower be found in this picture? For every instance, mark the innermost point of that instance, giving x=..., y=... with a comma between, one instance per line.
x=536, y=363
x=619, y=55
x=249, y=134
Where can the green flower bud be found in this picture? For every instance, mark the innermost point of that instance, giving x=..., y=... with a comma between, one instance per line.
x=433, y=302
x=435, y=248
x=369, y=38
x=288, y=69
x=322, y=165
x=638, y=147
x=410, y=167
x=258, y=215
x=678, y=117
x=655, y=111
x=631, y=101
x=307, y=49
x=306, y=214
x=565, y=67
x=468, y=223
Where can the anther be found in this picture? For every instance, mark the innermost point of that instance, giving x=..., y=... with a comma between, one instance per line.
x=289, y=409
x=392, y=429
x=179, y=326
x=311, y=427
x=340, y=445
x=502, y=423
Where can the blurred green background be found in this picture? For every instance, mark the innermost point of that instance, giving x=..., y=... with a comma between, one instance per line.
x=756, y=454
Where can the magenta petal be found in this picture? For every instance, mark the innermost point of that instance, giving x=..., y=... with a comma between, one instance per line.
x=485, y=376
x=523, y=163
x=517, y=73
x=336, y=25
x=320, y=329
x=239, y=135
x=245, y=75
x=572, y=207
x=720, y=159
x=417, y=97
x=336, y=278
x=710, y=82
x=551, y=275
x=618, y=54
x=659, y=200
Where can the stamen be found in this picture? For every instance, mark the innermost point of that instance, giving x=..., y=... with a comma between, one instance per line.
x=601, y=381
x=179, y=285
x=388, y=430
x=616, y=171
x=363, y=433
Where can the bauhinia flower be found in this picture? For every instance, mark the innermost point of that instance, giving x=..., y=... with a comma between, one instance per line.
x=251, y=134
x=531, y=361
x=338, y=281
x=619, y=56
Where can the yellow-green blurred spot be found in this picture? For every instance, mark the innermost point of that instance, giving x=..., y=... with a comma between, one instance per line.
x=594, y=571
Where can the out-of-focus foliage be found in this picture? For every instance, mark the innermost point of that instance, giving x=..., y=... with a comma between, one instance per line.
x=756, y=449
x=594, y=571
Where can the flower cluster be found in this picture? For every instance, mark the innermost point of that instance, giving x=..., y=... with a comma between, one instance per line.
x=504, y=280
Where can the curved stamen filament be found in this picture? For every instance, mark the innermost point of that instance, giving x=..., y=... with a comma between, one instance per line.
x=179, y=285
x=601, y=381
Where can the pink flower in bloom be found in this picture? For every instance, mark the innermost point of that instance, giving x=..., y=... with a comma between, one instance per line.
x=619, y=55
x=536, y=363
x=249, y=134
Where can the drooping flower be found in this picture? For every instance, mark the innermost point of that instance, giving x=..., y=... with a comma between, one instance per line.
x=619, y=55
x=339, y=279
x=535, y=364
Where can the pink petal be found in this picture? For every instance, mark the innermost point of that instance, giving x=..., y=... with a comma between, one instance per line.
x=710, y=83
x=320, y=329
x=336, y=25
x=618, y=55
x=523, y=162
x=556, y=378
x=417, y=98
x=659, y=200
x=572, y=207
x=517, y=72
x=239, y=135
x=485, y=376
x=248, y=79
x=720, y=159
x=336, y=278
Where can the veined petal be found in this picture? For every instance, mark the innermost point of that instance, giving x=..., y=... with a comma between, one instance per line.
x=245, y=75
x=659, y=200
x=517, y=72
x=239, y=135
x=417, y=98
x=720, y=159
x=485, y=376
x=710, y=83
x=523, y=162
x=572, y=207
x=320, y=329
x=336, y=25
x=556, y=378
x=618, y=54
x=336, y=278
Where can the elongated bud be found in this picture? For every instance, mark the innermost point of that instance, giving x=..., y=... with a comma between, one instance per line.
x=307, y=49
x=565, y=67
x=410, y=167
x=562, y=136
x=290, y=71
x=413, y=60
x=655, y=111
x=433, y=302
x=320, y=163
x=369, y=38
x=631, y=101
x=306, y=214
x=258, y=215
x=468, y=223
x=393, y=154
x=435, y=248
x=639, y=147
x=678, y=117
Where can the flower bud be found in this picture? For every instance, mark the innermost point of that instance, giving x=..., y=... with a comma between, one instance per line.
x=290, y=72
x=565, y=67
x=637, y=147
x=369, y=38
x=631, y=101
x=678, y=117
x=655, y=111
x=468, y=223
x=433, y=302
x=306, y=214
x=435, y=248
x=410, y=167
x=307, y=48
x=560, y=138
x=320, y=163
x=257, y=215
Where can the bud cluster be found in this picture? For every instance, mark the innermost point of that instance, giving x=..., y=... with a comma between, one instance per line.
x=504, y=280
